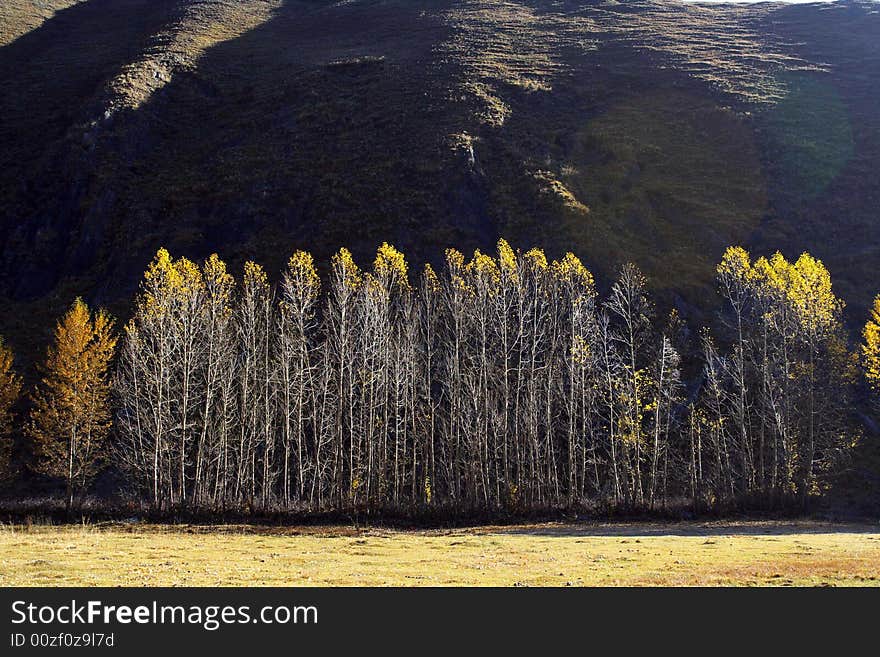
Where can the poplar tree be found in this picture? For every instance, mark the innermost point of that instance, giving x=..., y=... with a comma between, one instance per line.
x=501, y=382
x=297, y=363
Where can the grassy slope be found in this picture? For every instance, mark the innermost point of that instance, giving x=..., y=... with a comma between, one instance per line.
x=650, y=131
x=543, y=555
x=18, y=17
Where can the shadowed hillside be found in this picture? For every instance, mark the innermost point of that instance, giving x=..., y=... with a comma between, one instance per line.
x=657, y=132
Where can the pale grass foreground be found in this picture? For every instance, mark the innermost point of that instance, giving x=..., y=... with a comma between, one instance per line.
x=762, y=554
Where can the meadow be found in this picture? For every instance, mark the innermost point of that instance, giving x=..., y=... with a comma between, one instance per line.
x=803, y=553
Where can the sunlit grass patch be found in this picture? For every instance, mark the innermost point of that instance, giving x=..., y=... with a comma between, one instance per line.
x=756, y=554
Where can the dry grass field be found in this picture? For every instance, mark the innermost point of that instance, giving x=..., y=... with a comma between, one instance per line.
x=750, y=554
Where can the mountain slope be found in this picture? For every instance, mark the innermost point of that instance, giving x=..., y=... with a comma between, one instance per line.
x=657, y=132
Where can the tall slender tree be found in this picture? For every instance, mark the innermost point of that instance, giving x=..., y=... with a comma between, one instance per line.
x=501, y=382
x=298, y=360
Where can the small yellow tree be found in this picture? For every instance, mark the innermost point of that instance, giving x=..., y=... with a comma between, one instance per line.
x=871, y=346
x=10, y=386
x=70, y=417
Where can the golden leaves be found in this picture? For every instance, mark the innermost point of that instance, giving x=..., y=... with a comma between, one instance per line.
x=536, y=259
x=167, y=282
x=218, y=282
x=810, y=293
x=484, y=271
x=454, y=260
x=456, y=269
x=801, y=289
x=507, y=261
x=70, y=417
x=346, y=271
x=10, y=387
x=255, y=277
x=302, y=285
x=301, y=268
x=870, y=348
x=390, y=267
x=431, y=282
x=736, y=263
x=572, y=274
x=580, y=350
x=804, y=287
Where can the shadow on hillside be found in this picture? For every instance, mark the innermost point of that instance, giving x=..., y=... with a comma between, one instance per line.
x=767, y=528
x=52, y=79
x=323, y=127
x=51, y=74
x=329, y=125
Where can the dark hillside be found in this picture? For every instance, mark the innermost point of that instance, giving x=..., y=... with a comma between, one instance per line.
x=658, y=132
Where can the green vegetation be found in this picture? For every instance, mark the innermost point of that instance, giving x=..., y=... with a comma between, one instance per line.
x=748, y=554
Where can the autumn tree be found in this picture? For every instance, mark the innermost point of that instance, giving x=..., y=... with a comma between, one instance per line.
x=870, y=348
x=630, y=312
x=298, y=359
x=70, y=418
x=144, y=382
x=342, y=324
x=10, y=388
x=502, y=381
x=162, y=379
x=578, y=330
x=769, y=398
x=215, y=369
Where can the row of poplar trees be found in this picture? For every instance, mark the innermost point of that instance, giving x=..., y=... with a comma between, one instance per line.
x=501, y=382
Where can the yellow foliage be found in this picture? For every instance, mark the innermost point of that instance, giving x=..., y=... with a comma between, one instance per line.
x=580, y=350
x=391, y=268
x=536, y=259
x=346, y=270
x=484, y=269
x=301, y=269
x=70, y=417
x=10, y=387
x=871, y=346
x=428, y=491
x=218, y=282
x=454, y=259
x=214, y=270
x=571, y=272
x=168, y=282
x=507, y=261
x=736, y=264
x=455, y=265
x=811, y=295
x=374, y=287
x=432, y=283
x=772, y=272
x=255, y=275
x=804, y=287
x=160, y=265
x=161, y=280
x=189, y=279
